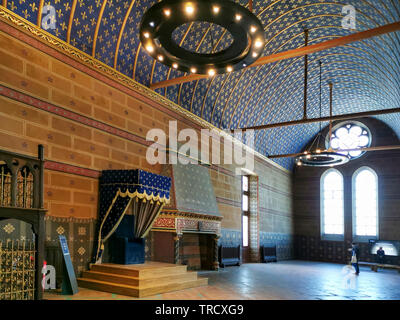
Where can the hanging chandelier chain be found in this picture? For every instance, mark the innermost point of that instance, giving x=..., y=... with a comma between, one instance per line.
x=320, y=94
x=328, y=157
x=320, y=102
x=330, y=112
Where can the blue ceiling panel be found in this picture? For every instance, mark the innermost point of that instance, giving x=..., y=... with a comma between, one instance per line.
x=28, y=10
x=83, y=25
x=62, y=10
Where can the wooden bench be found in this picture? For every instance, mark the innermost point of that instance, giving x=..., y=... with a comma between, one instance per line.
x=268, y=253
x=229, y=255
x=375, y=266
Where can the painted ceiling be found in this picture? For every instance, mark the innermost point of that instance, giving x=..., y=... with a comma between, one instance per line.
x=365, y=74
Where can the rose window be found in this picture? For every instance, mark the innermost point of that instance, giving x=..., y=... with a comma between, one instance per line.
x=351, y=136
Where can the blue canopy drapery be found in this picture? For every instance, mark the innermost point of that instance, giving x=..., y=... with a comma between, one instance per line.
x=118, y=188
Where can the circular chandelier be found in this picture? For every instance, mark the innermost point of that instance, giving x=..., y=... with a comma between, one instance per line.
x=319, y=158
x=162, y=19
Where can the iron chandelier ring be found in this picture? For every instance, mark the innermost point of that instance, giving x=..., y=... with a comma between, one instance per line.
x=160, y=21
x=323, y=159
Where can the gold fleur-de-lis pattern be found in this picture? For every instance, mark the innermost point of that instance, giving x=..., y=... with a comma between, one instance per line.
x=365, y=74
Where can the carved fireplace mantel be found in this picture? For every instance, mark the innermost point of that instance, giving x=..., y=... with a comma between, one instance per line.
x=179, y=222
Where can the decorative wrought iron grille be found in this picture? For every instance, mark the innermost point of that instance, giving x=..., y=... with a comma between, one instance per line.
x=25, y=188
x=21, y=198
x=5, y=186
x=17, y=270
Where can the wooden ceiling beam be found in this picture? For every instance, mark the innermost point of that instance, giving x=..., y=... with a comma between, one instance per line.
x=323, y=119
x=381, y=148
x=295, y=52
x=329, y=44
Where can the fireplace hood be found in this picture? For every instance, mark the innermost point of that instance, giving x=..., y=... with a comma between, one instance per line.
x=193, y=190
x=193, y=206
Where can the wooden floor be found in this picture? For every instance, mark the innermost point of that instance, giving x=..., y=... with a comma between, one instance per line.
x=286, y=280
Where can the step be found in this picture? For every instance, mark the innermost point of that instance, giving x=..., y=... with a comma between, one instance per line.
x=135, y=281
x=150, y=291
x=149, y=271
x=136, y=291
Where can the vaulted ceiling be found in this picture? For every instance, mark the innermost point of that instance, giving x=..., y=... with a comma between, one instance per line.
x=365, y=74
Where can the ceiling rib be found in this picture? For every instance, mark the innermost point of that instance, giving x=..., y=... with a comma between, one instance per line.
x=392, y=27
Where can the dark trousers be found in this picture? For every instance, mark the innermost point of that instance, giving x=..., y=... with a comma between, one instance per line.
x=355, y=265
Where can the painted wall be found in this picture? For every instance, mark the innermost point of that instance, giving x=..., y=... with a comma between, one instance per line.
x=88, y=122
x=308, y=241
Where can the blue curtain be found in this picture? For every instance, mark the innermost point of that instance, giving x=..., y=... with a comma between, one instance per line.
x=118, y=188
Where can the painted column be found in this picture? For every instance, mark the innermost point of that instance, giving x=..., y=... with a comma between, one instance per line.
x=177, y=240
x=215, y=265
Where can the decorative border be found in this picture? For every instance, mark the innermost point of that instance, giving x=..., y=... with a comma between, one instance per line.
x=27, y=27
x=182, y=214
x=164, y=223
x=180, y=222
x=183, y=225
x=68, y=219
x=67, y=168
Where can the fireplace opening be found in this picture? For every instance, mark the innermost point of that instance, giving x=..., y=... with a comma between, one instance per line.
x=196, y=251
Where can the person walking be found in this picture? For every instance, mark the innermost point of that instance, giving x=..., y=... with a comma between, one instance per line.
x=355, y=253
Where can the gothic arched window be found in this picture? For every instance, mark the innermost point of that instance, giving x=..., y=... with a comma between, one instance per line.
x=332, y=205
x=365, y=203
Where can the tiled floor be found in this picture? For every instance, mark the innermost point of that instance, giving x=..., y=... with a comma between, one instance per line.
x=289, y=280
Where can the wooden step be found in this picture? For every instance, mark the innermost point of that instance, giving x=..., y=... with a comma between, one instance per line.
x=134, y=291
x=153, y=290
x=139, y=282
x=141, y=271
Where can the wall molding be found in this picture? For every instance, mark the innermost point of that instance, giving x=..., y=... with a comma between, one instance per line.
x=229, y=202
x=273, y=189
x=275, y=212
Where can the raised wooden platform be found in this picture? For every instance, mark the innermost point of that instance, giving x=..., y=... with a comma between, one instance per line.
x=140, y=280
